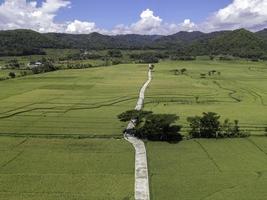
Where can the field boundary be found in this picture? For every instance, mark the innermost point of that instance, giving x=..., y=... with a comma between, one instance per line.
x=61, y=136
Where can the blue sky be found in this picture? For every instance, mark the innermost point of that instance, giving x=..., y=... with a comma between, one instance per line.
x=132, y=16
x=108, y=13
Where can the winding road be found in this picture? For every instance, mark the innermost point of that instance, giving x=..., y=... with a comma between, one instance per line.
x=141, y=169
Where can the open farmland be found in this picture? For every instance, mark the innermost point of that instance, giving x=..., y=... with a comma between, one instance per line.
x=238, y=92
x=70, y=102
x=70, y=169
x=230, y=169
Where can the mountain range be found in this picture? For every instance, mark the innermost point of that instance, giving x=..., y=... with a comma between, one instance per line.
x=241, y=42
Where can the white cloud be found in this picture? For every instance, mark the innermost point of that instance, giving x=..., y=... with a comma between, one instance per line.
x=188, y=25
x=250, y=14
x=150, y=24
x=81, y=27
x=15, y=14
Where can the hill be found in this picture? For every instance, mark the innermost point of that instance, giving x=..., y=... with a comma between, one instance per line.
x=262, y=34
x=240, y=42
x=24, y=42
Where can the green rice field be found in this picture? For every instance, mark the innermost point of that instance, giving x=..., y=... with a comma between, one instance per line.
x=70, y=102
x=231, y=169
x=237, y=90
x=32, y=168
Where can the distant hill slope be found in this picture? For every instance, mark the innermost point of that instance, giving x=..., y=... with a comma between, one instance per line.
x=24, y=42
x=262, y=34
x=99, y=41
x=240, y=42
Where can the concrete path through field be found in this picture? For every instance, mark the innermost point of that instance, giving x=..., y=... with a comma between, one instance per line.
x=141, y=170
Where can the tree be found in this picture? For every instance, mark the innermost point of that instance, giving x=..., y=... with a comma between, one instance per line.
x=159, y=127
x=133, y=114
x=156, y=127
x=209, y=126
x=183, y=71
x=194, y=123
x=115, y=53
x=12, y=75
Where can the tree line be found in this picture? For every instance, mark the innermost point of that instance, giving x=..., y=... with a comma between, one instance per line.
x=164, y=127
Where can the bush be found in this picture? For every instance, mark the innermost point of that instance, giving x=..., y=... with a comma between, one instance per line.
x=116, y=62
x=12, y=75
x=184, y=58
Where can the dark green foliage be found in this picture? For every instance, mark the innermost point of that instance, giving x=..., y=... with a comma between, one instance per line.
x=12, y=75
x=13, y=64
x=184, y=58
x=146, y=57
x=23, y=42
x=206, y=126
x=159, y=127
x=79, y=66
x=209, y=126
x=116, y=62
x=133, y=114
x=155, y=127
x=180, y=46
x=180, y=71
x=115, y=53
x=46, y=66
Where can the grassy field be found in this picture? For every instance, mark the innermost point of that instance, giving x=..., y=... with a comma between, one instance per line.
x=239, y=92
x=85, y=103
x=72, y=169
x=5, y=73
x=70, y=102
x=231, y=169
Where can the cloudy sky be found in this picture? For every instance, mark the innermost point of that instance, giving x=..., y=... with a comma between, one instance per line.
x=132, y=16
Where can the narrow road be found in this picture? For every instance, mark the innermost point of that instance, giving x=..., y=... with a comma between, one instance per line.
x=141, y=169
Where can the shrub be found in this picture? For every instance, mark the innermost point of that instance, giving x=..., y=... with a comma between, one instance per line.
x=12, y=75
x=116, y=62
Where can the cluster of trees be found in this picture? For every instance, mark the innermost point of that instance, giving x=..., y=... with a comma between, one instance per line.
x=79, y=66
x=209, y=126
x=163, y=127
x=81, y=56
x=115, y=53
x=182, y=71
x=14, y=75
x=145, y=57
x=183, y=45
x=155, y=127
x=13, y=64
x=23, y=42
x=47, y=65
x=183, y=58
